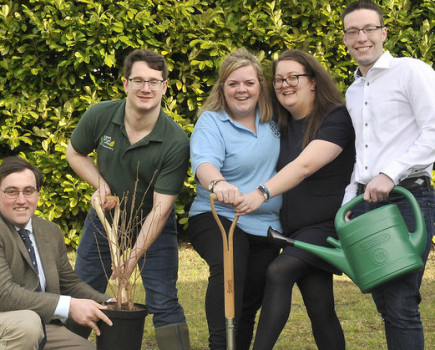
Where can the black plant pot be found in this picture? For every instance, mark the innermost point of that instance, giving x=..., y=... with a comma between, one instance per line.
x=126, y=332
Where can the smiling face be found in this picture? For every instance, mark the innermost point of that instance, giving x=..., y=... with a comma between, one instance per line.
x=18, y=211
x=241, y=91
x=144, y=100
x=365, y=49
x=297, y=100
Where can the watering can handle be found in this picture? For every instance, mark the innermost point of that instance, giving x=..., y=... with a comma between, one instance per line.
x=419, y=220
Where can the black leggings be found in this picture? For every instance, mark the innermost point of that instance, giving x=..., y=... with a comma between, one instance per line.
x=316, y=287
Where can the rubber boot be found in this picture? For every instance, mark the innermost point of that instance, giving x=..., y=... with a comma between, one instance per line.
x=173, y=336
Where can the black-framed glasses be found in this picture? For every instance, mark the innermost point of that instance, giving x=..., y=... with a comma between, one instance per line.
x=352, y=33
x=138, y=84
x=13, y=193
x=291, y=80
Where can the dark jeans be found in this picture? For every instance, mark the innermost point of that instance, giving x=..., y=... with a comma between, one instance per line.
x=398, y=303
x=252, y=255
x=159, y=275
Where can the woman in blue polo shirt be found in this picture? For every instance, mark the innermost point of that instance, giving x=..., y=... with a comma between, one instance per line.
x=234, y=147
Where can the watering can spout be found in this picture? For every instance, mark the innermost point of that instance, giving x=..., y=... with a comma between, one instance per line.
x=334, y=256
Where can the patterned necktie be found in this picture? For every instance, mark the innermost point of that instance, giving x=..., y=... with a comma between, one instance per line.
x=29, y=246
x=24, y=234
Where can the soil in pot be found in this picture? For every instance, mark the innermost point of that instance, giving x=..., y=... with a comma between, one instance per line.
x=127, y=330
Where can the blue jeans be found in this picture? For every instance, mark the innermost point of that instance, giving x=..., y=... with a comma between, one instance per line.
x=398, y=302
x=159, y=274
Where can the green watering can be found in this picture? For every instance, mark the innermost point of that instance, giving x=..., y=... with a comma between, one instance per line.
x=374, y=248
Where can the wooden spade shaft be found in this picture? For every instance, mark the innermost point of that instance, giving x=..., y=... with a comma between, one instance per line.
x=228, y=273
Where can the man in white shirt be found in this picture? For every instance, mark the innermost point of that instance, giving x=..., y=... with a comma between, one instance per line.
x=392, y=105
x=39, y=289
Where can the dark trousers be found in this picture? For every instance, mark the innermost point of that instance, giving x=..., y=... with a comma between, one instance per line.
x=252, y=255
x=398, y=302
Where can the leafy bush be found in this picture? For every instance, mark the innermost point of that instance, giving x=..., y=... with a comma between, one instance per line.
x=58, y=57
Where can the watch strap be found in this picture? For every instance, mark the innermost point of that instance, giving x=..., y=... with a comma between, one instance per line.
x=264, y=191
x=213, y=183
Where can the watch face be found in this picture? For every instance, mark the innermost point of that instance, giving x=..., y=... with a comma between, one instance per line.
x=211, y=186
x=261, y=189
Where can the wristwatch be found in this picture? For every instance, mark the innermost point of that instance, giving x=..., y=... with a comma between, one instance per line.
x=264, y=191
x=213, y=183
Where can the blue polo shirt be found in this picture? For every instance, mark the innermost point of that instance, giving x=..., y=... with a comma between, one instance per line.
x=244, y=158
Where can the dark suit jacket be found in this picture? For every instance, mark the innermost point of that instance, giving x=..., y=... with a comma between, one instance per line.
x=18, y=279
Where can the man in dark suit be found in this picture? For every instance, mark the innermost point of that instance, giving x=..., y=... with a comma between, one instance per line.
x=36, y=276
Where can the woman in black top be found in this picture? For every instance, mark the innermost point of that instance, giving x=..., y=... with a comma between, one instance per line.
x=315, y=164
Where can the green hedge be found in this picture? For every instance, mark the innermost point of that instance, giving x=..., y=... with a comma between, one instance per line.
x=58, y=57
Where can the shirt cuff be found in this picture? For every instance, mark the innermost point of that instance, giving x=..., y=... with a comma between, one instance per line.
x=395, y=172
x=62, y=308
x=350, y=193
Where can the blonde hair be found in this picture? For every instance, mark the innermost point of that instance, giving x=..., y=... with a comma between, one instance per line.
x=239, y=58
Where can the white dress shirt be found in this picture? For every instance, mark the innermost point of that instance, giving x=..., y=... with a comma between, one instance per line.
x=62, y=308
x=393, y=113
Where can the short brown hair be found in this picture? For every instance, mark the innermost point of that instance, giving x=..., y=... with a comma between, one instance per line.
x=363, y=5
x=15, y=164
x=151, y=58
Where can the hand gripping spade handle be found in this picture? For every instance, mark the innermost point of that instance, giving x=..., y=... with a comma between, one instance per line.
x=228, y=274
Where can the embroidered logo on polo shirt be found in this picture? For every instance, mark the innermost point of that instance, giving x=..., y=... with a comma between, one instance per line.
x=107, y=142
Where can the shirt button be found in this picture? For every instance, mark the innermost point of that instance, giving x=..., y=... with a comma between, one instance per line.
x=366, y=167
x=366, y=103
x=366, y=124
x=368, y=83
x=366, y=146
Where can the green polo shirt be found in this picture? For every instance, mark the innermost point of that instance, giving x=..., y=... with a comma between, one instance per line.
x=159, y=161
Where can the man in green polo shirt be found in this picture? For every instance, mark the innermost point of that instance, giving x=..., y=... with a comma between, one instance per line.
x=135, y=140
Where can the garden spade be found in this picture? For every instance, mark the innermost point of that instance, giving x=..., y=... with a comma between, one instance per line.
x=228, y=274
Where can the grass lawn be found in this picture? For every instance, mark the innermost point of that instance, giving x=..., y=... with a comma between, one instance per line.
x=362, y=325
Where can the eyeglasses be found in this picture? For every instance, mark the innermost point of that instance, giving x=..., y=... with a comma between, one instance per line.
x=12, y=193
x=138, y=84
x=291, y=80
x=352, y=33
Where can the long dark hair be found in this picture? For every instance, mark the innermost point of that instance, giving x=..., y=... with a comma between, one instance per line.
x=326, y=95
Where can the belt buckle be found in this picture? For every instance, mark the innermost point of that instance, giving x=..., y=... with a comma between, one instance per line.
x=413, y=182
x=419, y=181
